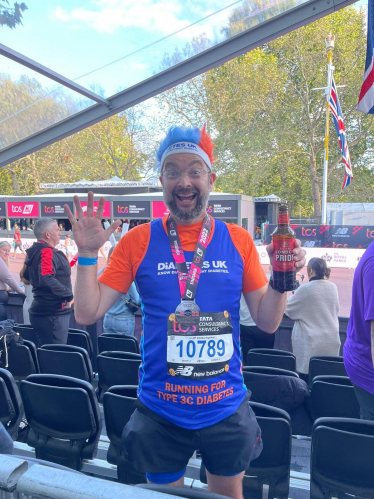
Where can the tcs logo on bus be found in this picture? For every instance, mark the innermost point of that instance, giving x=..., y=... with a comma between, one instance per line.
x=122, y=209
x=49, y=209
x=370, y=233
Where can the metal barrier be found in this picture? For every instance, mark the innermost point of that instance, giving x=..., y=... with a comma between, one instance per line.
x=18, y=480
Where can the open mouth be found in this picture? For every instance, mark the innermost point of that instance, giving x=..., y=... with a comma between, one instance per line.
x=186, y=198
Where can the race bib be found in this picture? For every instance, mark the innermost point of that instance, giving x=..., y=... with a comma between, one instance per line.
x=201, y=348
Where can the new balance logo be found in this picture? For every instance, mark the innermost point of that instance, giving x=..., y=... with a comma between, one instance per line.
x=184, y=370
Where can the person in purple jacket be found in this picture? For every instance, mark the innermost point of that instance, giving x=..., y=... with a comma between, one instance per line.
x=359, y=346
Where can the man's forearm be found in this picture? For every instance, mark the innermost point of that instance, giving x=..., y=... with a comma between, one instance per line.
x=92, y=299
x=86, y=294
x=271, y=310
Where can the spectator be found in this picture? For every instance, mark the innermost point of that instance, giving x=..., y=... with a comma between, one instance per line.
x=314, y=307
x=17, y=243
x=359, y=346
x=6, y=279
x=250, y=335
x=48, y=271
x=69, y=247
x=29, y=296
x=119, y=318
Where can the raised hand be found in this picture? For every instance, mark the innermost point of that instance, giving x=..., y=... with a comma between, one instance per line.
x=88, y=233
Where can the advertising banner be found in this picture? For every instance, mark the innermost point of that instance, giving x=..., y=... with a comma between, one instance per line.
x=330, y=236
x=54, y=209
x=2, y=209
x=22, y=209
x=218, y=209
x=131, y=209
x=107, y=211
x=339, y=257
x=223, y=209
x=159, y=209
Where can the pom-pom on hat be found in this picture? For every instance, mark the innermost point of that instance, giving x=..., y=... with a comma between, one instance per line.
x=186, y=140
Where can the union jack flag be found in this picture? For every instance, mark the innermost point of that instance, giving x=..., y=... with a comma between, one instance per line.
x=340, y=130
x=366, y=98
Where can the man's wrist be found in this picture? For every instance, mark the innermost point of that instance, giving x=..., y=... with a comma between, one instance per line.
x=87, y=254
x=271, y=284
x=87, y=261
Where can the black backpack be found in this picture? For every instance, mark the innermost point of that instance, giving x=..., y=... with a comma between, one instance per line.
x=9, y=339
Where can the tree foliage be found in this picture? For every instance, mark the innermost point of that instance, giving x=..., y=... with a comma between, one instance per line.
x=11, y=16
x=109, y=148
x=269, y=123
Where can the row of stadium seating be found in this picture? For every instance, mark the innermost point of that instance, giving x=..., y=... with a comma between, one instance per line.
x=342, y=449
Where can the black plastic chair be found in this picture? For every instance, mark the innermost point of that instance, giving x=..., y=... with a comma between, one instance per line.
x=269, y=475
x=333, y=396
x=109, y=342
x=274, y=371
x=23, y=360
x=268, y=357
x=329, y=365
x=11, y=406
x=182, y=491
x=66, y=360
x=342, y=458
x=27, y=332
x=272, y=351
x=118, y=368
x=82, y=339
x=119, y=404
x=64, y=417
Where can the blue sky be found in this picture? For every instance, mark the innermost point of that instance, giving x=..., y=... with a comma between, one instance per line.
x=75, y=37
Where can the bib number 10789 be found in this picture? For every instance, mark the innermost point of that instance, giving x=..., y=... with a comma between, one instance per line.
x=201, y=348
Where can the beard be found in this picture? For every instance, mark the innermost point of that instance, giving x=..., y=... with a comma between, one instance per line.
x=184, y=215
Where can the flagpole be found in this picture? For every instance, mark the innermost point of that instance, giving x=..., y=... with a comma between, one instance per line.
x=330, y=42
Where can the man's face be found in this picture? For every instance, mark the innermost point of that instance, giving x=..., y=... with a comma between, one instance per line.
x=53, y=234
x=186, y=195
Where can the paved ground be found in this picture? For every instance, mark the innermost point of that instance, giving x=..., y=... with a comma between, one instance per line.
x=341, y=277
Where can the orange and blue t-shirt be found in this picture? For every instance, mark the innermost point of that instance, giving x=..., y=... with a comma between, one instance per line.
x=231, y=266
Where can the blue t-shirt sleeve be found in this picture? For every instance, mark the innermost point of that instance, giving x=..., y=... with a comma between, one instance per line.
x=368, y=287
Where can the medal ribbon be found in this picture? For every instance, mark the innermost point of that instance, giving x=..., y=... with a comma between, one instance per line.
x=188, y=280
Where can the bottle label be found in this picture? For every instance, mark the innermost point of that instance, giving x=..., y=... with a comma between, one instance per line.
x=283, y=218
x=282, y=256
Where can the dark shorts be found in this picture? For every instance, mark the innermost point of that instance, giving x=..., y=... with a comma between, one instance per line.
x=154, y=445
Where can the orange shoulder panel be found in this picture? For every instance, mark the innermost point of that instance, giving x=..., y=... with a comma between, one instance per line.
x=253, y=274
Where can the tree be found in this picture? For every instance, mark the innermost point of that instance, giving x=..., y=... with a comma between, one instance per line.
x=268, y=122
x=11, y=16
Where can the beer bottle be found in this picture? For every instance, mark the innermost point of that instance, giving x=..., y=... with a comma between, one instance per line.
x=284, y=270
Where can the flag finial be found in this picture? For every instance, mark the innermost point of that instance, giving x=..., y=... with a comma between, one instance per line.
x=330, y=42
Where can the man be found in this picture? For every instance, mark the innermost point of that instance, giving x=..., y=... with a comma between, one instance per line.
x=191, y=392
x=359, y=345
x=48, y=271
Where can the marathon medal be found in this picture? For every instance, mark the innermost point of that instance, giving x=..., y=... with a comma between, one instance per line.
x=199, y=344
